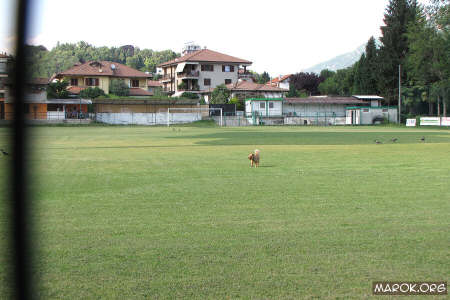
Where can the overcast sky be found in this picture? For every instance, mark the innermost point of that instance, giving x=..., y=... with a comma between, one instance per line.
x=283, y=36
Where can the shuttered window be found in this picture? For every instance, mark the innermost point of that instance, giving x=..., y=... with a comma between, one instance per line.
x=208, y=68
x=91, y=82
x=134, y=83
x=227, y=68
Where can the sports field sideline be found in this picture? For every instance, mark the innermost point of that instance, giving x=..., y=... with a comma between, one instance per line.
x=175, y=213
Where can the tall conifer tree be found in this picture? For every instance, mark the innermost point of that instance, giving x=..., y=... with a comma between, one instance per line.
x=394, y=48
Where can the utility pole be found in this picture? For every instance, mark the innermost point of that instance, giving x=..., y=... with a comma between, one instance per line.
x=399, y=94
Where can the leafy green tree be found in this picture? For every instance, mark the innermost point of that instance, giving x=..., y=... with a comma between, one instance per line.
x=220, y=95
x=58, y=90
x=329, y=86
x=118, y=87
x=308, y=82
x=134, y=62
x=158, y=92
x=292, y=91
x=428, y=60
x=189, y=95
x=92, y=93
x=340, y=84
x=44, y=63
x=265, y=77
x=239, y=103
x=325, y=74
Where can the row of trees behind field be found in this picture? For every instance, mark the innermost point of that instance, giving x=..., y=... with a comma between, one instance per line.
x=44, y=63
x=415, y=37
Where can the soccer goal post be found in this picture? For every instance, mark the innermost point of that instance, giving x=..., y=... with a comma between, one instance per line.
x=176, y=115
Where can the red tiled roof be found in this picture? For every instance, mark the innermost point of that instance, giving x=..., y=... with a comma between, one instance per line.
x=103, y=68
x=75, y=90
x=206, y=55
x=278, y=79
x=139, y=92
x=325, y=100
x=154, y=83
x=251, y=86
x=247, y=86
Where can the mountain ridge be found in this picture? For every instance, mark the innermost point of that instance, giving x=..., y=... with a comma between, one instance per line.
x=341, y=61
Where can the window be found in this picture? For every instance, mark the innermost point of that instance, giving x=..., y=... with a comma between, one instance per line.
x=262, y=105
x=134, y=83
x=270, y=104
x=74, y=81
x=385, y=110
x=208, y=68
x=55, y=107
x=366, y=110
x=227, y=81
x=91, y=81
x=207, y=81
x=227, y=68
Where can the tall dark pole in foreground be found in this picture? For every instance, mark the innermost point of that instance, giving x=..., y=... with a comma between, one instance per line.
x=21, y=252
x=399, y=94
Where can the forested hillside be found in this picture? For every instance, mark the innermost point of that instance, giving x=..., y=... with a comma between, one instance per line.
x=44, y=63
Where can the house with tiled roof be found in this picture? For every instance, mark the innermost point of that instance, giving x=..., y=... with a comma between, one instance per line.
x=152, y=85
x=38, y=107
x=244, y=89
x=200, y=70
x=281, y=81
x=100, y=73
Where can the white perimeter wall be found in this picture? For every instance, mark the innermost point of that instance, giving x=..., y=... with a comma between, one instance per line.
x=147, y=118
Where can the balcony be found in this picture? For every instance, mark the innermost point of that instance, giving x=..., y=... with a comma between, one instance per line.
x=192, y=74
x=245, y=75
x=167, y=77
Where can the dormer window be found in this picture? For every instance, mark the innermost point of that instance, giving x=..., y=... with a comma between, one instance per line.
x=96, y=64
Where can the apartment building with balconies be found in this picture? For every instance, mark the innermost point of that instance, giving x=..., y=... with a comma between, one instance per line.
x=199, y=71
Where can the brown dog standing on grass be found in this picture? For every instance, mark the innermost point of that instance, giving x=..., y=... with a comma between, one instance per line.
x=254, y=158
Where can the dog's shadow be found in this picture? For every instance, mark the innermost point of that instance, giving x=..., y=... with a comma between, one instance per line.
x=266, y=166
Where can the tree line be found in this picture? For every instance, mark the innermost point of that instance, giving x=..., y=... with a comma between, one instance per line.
x=45, y=63
x=414, y=37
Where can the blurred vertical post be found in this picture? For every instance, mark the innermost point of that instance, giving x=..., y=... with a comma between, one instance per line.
x=399, y=95
x=21, y=226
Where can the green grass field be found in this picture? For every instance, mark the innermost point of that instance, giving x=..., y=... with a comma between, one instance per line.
x=158, y=213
